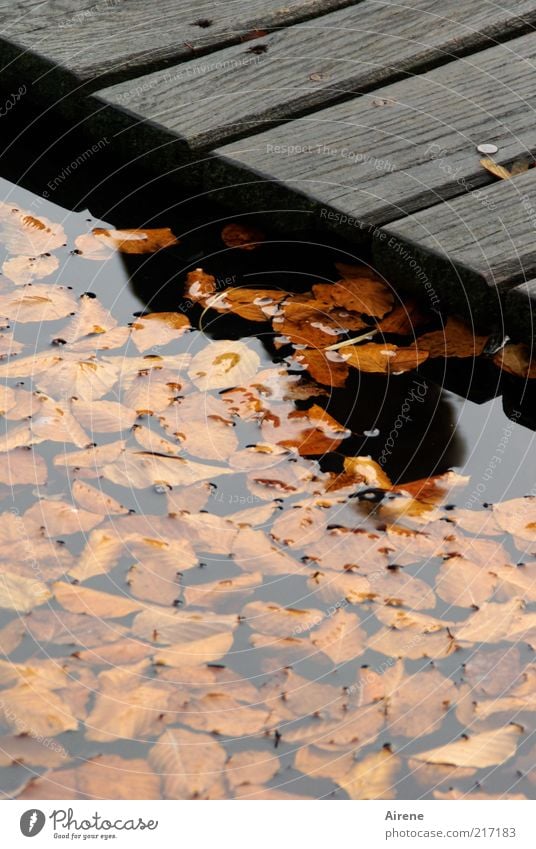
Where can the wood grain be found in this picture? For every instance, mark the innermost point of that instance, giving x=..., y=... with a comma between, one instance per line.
x=471, y=252
x=97, y=43
x=237, y=92
x=396, y=150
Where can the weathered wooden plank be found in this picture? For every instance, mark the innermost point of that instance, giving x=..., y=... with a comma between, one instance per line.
x=77, y=41
x=520, y=307
x=399, y=149
x=236, y=92
x=468, y=253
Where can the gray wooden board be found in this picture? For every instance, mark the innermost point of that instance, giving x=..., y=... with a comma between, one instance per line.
x=390, y=152
x=235, y=92
x=107, y=40
x=469, y=253
x=520, y=308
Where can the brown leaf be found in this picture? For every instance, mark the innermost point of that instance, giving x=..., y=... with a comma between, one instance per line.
x=360, y=290
x=384, y=358
x=250, y=304
x=479, y=750
x=456, y=339
x=241, y=236
x=199, y=285
x=360, y=471
x=495, y=169
x=311, y=432
x=136, y=241
x=314, y=323
x=327, y=367
x=404, y=319
x=516, y=359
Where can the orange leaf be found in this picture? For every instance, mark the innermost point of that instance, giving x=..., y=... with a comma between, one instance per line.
x=311, y=432
x=384, y=359
x=516, y=360
x=137, y=241
x=456, y=339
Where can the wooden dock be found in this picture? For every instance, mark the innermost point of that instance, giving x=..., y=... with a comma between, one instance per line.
x=361, y=118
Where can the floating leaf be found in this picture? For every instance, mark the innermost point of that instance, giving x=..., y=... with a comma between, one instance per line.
x=136, y=241
x=418, y=705
x=158, y=328
x=478, y=750
x=22, y=594
x=200, y=285
x=250, y=304
x=26, y=269
x=189, y=763
x=360, y=471
x=340, y=637
x=373, y=777
x=102, y=777
x=310, y=432
x=35, y=710
x=128, y=705
x=516, y=360
x=384, y=358
x=518, y=516
x=326, y=367
x=37, y=303
x=23, y=233
x=60, y=517
x=241, y=236
x=360, y=290
x=223, y=364
x=95, y=500
x=93, y=602
x=22, y=466
x=270, y=618
x=142, y=468
x=456, y=339
x=464, y=584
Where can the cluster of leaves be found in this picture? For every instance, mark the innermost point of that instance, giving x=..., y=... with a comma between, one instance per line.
x=321, y=326
x=136, y=579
